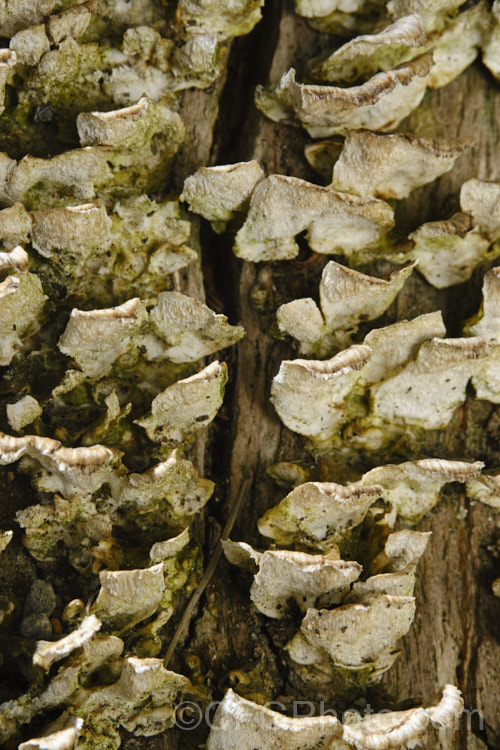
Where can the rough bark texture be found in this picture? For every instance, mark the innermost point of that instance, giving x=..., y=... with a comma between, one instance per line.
x=455, y=637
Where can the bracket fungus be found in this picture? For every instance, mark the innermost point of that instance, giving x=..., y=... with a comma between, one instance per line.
x=23, y=412
x=15, y=227
x=186, y=406
x=122, y=127
x=62, y=734
x=75, y=171
x=121, y=141
x=190, y=329
x=72, y=22
x=357, y=637
x=101, y=252
x=357, y=19
x=433, y=12
x=429, y=389
x=176, y=327
x=163, y=235
x=318, y=514
x=454, y=46
x=29, y=45
x=348, y=17
x=285, y=575
x=49, y=652
x=19, y=13
x=89, y=511
x=5, y=539
x=140, y=696
x=218, y=17
x=347, y=298
x=71, y=527
x=22, y=301
x=413, y=378
x=485, y=323
x=486, y=489
x=127, y=597
x=398, y=563
x=218, y=193
x=394, y=346
x=322, y=156
x=366, y=55
x=395, y=729
x=172, y=488
x=492, y=41
x=481, y=199
x=357, y=640
x=335, y=15
x=66, y=470
x=163, y=551
x=72, y=230
x=8, y=60
x=448, y=251
x=457, y=45
x=281, y=207
x=95, y=339
x=413, y=487
x=391, y=165
x=239, y=722
x=404, y=548
x=379, y=104
x=310, y=395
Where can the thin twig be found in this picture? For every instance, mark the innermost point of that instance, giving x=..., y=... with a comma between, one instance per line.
x=183, y=626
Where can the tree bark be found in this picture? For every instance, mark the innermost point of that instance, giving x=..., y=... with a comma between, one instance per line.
x=455, y=634
x=455, y=637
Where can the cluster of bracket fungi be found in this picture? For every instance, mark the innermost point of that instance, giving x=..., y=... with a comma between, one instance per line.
x=90, y=244
x=89, y=247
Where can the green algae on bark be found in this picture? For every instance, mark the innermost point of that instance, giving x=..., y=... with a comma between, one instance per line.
x=100, y=230
x=22, y=301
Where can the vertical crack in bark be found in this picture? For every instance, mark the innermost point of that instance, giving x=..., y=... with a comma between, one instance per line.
x=182, y=629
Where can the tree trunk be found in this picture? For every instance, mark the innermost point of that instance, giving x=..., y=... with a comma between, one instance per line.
x=455, y=635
